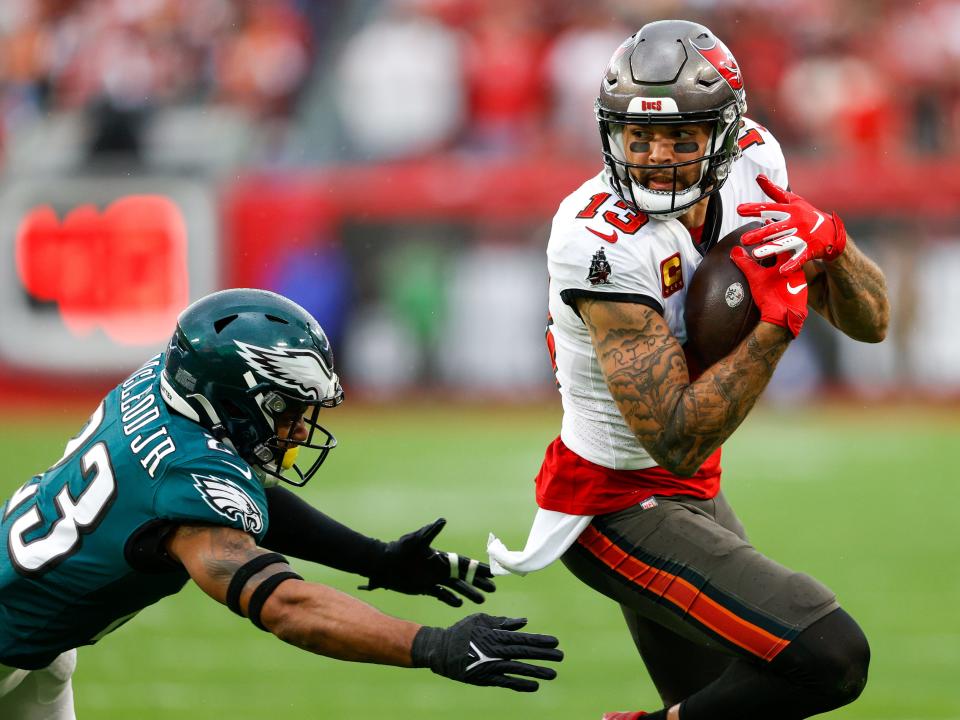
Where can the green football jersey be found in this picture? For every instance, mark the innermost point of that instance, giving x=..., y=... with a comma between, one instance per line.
x=81, y=545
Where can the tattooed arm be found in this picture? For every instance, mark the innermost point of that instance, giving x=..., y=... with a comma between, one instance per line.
x=311, y=616
x=678, y=422
x=851, y=293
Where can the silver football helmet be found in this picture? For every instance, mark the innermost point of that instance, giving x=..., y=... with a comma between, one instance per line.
x=671, y=72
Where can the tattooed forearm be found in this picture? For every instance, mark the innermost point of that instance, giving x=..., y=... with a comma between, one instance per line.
x=851, y=293
x=678, y=422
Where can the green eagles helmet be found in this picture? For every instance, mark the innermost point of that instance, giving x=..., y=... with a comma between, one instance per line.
x=241, y=359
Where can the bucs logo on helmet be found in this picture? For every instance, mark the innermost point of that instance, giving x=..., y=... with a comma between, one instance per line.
x=717, y=54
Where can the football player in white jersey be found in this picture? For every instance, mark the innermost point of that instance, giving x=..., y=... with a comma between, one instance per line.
x=629, y=493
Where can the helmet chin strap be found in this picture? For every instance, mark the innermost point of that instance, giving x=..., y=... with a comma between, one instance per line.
x=288, y=461
x=648, y=199
x=289, y=458
x=181, y=405
x=176, y=401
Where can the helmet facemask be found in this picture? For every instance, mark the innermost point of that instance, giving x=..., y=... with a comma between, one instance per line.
x=275, y=457
x=720, y=151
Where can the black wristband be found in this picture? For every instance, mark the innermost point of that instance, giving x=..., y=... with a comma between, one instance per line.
x=263, y=591
x=426, y=646
x=244, y=573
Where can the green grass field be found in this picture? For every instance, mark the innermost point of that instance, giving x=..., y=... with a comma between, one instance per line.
x=860, y=498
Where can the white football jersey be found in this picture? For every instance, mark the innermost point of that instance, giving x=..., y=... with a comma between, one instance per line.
x=599, y=247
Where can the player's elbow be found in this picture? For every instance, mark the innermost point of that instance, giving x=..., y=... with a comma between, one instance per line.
x=870, y=323
x=675, y=460
x=684, y=470
x=878, y=331
x=878, y=335
x=873, y=332
x=283, y=610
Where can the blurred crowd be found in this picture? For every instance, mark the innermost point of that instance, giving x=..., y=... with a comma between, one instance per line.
x=828, y=76
x=240, y=94
x=118, y=63
x=400, y=78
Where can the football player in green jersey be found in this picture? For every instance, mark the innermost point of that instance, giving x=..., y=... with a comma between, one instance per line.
x=176, y=476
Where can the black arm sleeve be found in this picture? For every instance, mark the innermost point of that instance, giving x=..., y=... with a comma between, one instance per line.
x=300, y=530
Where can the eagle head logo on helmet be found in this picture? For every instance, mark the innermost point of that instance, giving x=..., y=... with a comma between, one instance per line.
x=300, y=370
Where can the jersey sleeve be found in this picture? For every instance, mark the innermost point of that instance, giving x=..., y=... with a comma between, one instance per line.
x=759, y=147
x=214, y=489
x=592, y=257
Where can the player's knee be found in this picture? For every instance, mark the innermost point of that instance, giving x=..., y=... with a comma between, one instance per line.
x=843, y=666
x=830, y=659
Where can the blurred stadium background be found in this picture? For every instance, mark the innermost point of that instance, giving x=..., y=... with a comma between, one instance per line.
x=392, y=165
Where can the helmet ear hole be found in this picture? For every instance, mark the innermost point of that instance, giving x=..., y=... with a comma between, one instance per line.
x=220, y=324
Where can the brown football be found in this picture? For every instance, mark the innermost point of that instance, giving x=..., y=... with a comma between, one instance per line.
x=719, y=311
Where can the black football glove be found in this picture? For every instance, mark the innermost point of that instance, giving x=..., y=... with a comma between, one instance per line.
x=486, y=650
x=409, y=565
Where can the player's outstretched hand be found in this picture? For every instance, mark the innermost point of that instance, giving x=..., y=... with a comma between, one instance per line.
x=791, y=224
x=409, y=565
x=782, y=299
x=486, y=650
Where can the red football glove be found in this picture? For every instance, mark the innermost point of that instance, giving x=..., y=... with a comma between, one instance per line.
x=792, y=224
x=782, y=299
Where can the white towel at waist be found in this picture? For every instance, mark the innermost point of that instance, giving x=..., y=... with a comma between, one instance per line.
x=550, y=536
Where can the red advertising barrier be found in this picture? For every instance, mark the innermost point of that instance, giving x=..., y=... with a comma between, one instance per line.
x=267, y=214
x=124, y=270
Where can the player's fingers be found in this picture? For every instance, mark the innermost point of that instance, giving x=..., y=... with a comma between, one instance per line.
x=782, y=242
x=772, y=190
x=470, y=570
x=505, y=623
x=468, y=591
x=485, y=583
x=794, y=263
x=754, y=208
x=751, y=209
x=514, y=667
x=748, y=266
x=477, y=571
x=512, y=683
x=429, y=532
x=510, y=637
x=775, y=222
x=444, y=595
x=484, y=571
x=527, y=652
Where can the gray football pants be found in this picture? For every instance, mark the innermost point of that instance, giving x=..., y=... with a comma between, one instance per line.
x=695, y=593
